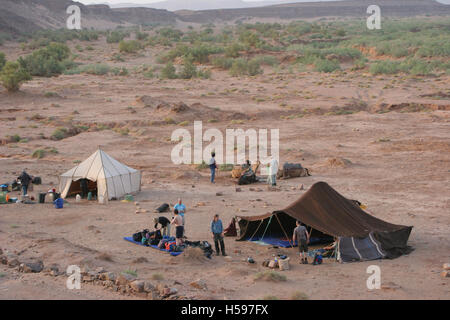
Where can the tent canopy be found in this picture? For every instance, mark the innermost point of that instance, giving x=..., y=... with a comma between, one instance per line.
x=113, y=178
x=329, y=214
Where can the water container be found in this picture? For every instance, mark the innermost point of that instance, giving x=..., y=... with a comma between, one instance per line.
x=59, y=203
x=42, y=197
x=78, y=198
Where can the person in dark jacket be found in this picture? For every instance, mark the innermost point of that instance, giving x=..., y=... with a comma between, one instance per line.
x=217, y=231
x=165, y=225
x=25, y=180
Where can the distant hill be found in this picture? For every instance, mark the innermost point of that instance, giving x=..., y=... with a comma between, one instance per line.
x=305, y=10
x=25, y=16
x=175, y=5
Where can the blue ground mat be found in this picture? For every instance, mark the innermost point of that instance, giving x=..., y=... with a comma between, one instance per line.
x=280, y=242
x=130, y=239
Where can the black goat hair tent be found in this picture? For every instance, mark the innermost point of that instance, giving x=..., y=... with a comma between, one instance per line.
x=329, y=215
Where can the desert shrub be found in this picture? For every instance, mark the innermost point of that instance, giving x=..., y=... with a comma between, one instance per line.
x=267, y=60
x=48, y=61
x=38, y=154
x=232, y=51
x=204, y=73
x=119, y=71
x=189, y=70
x=169, y=71
x=298, y=295
x=239, y=67
x=2, y=60
x=253, y=67
x=250, y=39
x=115, y=37
x=59, y=134
x=98, y=69
x=131, y=46
x=13, y=75
x=384, y=67
x=222, y=62
x=270, y=275
x=325, y=65
x=141, y=35
x=170, y=33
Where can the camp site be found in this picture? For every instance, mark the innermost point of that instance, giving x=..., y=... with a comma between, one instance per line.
x=259, y=153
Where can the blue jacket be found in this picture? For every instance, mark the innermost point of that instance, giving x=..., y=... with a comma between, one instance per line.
x=216, y=226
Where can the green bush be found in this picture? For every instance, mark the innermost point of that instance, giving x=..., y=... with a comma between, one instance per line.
x=169, y=71
x=115, y=37
x=59, y=134
x=141, y=35
x=222, y=62
x=189, y=70
x=325, y=65
x=131, y=46
x=48, y=61
x=2, y=60
x=242, y=67
x=384, y=67
x=119, y=71
x=232, y=51
x=13, y=75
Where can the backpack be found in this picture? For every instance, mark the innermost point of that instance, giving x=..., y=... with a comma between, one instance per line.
x=139, y=235
x=170, y=245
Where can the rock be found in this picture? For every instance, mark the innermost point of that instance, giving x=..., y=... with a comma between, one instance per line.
x=446, y=266
x=153, y=295
x=301, y=187
x=149, y=287
x=161, y=288
x=1, y=252
x=100, y=270
x=445, y=274
x=3, y=260
x=219, y=194
x=136, y=203
x=238, y=189
x=14, y=262
x=110, y=276
x=137, y=285
x=169, y=292
x=124, y=278
x=31, y=267
x=198, y=284
x=53, y=270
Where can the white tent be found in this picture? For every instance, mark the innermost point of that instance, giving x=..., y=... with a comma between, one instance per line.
x=113, y=178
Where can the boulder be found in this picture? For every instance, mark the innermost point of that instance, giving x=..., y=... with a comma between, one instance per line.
x=124, y=278
x=149, y=287
x=31, y=267
x=137, y=285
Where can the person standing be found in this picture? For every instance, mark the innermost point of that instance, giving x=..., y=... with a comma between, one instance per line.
x=302, y=237
x=213, y=166
x=273, y=169
x=25, y=180
x=177, y=221
x=217, y=231
x=165, y=225
x=181, y=211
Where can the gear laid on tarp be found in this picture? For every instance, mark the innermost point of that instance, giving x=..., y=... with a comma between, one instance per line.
x=328, y=215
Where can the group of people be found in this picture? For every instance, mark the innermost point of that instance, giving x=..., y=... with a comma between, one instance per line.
x=178, y=221
x=272, y=168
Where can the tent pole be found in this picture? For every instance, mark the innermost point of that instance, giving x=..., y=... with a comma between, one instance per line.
x=292, y=245
x=270, y=220
x=256, y=230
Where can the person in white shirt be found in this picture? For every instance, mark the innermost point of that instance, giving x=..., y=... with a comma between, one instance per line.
x=273, y=169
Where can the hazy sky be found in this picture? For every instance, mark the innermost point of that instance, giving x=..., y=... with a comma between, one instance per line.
x=150, y=1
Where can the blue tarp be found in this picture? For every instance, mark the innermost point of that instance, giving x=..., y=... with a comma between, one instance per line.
x=130, y=239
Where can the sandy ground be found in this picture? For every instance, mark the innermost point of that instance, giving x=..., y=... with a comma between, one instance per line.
x=398, y=165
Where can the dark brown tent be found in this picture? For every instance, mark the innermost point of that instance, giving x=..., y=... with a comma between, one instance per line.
x=328, y=214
